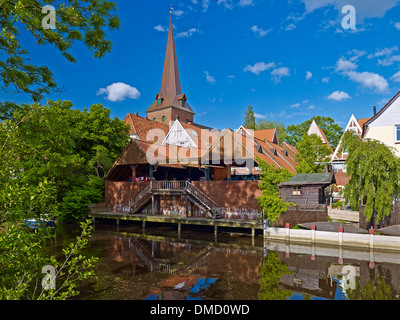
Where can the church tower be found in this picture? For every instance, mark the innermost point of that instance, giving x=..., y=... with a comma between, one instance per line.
x=170, y=104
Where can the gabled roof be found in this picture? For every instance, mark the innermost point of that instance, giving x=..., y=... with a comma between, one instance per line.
x=265, y=134
x=367, y=123
x=315, y=129
x=141, y=126
x=309, y=178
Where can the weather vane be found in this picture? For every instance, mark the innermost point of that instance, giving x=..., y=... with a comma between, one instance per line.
x=171, y=9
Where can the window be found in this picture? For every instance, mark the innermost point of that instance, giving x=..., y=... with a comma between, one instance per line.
x=397, y=133
x=183, y=103
x=179, y=118
x=187, y=120
x=159, y=101
x=154, y=119
x=163, y=118
x=296, y=191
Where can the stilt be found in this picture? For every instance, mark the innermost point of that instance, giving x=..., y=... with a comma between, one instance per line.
x=144, y=226
x=179, y=230
x=117, y=225
x=215, y=233
x=253, y=233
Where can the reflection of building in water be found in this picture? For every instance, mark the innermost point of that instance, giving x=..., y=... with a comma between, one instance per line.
x=308, y=276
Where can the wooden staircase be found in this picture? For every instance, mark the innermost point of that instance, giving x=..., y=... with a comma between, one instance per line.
x=194, y=195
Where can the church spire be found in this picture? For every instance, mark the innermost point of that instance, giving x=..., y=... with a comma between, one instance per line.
x=171, y=84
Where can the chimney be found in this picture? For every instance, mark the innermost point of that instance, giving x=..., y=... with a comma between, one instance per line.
x=136, y=114
x=374, y=110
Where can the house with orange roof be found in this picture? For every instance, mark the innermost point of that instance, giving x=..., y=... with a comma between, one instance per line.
x=175, y=165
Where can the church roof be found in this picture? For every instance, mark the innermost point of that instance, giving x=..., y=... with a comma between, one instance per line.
x=171, y=91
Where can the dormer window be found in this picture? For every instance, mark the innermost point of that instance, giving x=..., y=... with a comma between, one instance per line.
x=159, y=100
x=183, y=103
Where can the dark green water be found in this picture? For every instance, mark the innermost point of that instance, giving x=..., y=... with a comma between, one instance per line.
x=160, y=265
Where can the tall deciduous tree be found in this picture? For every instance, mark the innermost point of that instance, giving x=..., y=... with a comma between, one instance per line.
x=249, y=119
x=374, y=172
x=312, y=154
x=270, y=202
x=332, y=130
x=76, y=21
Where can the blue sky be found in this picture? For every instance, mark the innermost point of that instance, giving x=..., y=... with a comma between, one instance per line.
x=288, y=59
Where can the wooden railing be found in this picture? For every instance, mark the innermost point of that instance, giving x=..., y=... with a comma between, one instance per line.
x=182, y=186
x=135, y=201
x=201, y=196
x=168, y=185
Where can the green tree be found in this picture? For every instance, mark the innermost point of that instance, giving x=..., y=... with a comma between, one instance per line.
x=280, y=127
x=83, y=22
x=269, y=201
x=374, y=172
x=249, y=119
x=312, y=154
x=271, y=271
x=332, y=130
x=65, y=146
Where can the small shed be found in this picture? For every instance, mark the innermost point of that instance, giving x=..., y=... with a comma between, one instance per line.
x=306, y=188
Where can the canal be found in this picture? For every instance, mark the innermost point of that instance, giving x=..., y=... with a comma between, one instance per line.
x=160, y=265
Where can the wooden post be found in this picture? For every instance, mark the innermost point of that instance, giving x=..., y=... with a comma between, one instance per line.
x=228, y=172
x=179, y=230
x=144, y=225
x=133, y=167
x=187, y=206
x=253, y=233
x=153, y=208
x=117, y=225
x=215, y=233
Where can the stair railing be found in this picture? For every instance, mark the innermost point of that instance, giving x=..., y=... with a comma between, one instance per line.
x=202, y=197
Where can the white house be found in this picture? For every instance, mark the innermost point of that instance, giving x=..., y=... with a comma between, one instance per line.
x=385, y=125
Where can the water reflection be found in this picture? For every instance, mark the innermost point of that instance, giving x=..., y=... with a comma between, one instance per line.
x=165, y=267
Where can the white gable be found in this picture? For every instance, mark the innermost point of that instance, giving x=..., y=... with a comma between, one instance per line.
x=314, y=129
x=177, y=136
x=390, y=116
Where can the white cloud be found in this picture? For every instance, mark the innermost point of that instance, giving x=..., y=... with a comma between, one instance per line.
x=119, y=91
x=161, y=28
x=308, y=75
x=397, y=25
x=278, y=73
x=325, y=79
x=230, y=4
x=259, y=116
x=365, y=9
x=296, y=105
x=311, y=107
x=386, y=54
x=178, y=13
x=290, y=27
x=338, y=96
x=369, y=80
x=259, y=67
x=209, y=77
x=345, y=65
x=188, y=33
x=259, y=31
x=396, y=77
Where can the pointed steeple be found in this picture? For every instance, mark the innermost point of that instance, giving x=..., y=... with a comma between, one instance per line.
x=171, y=104
x=171, y=84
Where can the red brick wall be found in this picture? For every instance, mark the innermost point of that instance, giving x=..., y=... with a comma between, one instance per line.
x=114, y=199
x=238, y=198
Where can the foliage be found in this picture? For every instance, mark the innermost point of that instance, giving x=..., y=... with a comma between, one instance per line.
x=312, y=154
x=377, y=289
x=76, y=22
x=23, y=258
x=332, y=130
x=271, y=271
x=67, y=147
x=269, y=201
x=249, y=119
x=374, y=175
